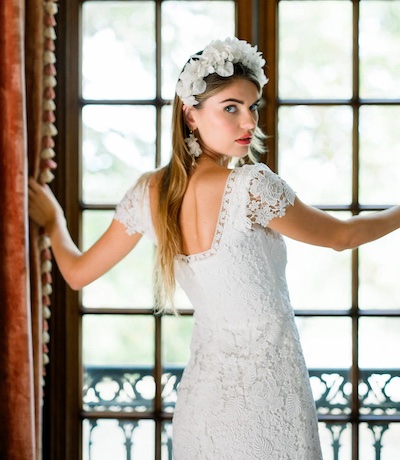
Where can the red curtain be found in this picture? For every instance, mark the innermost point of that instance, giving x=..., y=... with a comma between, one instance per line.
x=26, y=42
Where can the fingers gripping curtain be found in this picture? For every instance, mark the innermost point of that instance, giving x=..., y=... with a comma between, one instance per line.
x=26, y=129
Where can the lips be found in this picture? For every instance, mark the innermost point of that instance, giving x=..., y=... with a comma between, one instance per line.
x=245, y=140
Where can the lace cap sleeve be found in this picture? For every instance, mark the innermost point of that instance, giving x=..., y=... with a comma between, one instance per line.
x=268, y=196
x=133, y=209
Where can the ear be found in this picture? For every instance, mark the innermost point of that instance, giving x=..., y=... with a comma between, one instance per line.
x=189, y=117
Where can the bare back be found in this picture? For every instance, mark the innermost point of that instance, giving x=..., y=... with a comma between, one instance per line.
x=200, y=207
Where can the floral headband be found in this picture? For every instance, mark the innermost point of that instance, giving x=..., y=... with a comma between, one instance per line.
x=218, y=57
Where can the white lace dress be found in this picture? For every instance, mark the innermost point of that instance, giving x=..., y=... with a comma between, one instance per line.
x=245, y=392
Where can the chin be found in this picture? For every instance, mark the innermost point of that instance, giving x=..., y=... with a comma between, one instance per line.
x=240, y=155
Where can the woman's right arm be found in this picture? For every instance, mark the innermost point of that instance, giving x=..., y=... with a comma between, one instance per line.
x=77, y=268
x=310, y=225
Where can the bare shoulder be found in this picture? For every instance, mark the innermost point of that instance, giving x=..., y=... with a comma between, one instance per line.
x=153, y=178
x=209, y=182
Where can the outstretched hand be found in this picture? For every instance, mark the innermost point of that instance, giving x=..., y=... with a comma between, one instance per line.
x=44, y=209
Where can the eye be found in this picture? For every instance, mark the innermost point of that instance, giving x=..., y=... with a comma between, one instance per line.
x=255, y=107
x=231, y=108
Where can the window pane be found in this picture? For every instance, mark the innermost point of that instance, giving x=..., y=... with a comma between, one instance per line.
x=315, y=49
x=335, y=440
x=188, y=26
x=379, y=159
x=318, y=335
x=118, y=361
x=118, y=145
x=318, y=278
x=379, y=343
x=111, y=439
x=379, y=388
x=118, y=50
x=111, y=340
x=177, y=334
x=379, y=49
x=128, y=284
x=315, y=152
x=371, y=437
x=380, y=273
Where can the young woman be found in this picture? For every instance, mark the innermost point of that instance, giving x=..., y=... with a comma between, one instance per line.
x=245, y=393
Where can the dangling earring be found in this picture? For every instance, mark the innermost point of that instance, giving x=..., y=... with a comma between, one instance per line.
x=193, y=146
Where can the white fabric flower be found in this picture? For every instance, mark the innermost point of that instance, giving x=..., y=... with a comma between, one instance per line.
x=193, y=145
x=218, y=57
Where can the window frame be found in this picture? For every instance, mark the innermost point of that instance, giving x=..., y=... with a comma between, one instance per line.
x=257, y=22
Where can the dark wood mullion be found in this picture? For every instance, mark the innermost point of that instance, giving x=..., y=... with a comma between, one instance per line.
x=354, y=208
x=65, y=392
x=244, y=20
x=157, y=160
x=157, y=378
x=355, y=373
x=158, y=365
x=74, y=172
x=110, y=415
x=395, y=313
x=161, y=102
x=167, y=417
x=349, y=313
x=62, y=434
x=127, y=311
x=268, y=43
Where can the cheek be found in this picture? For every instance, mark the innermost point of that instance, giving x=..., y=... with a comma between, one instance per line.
x=214, y=127
x=223, y=124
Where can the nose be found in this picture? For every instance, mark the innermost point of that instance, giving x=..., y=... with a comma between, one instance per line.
x=250, y=119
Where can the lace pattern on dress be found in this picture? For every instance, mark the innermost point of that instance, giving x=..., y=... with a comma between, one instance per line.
x=132, y=208
x=268, y=197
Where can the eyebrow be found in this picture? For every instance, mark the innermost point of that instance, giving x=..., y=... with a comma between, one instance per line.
x=238, y=101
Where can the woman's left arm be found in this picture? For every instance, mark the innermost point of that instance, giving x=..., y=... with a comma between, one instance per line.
x=313, y=226
x=77, y=268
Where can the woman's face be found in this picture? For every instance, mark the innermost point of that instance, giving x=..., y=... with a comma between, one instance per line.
x=226, y=121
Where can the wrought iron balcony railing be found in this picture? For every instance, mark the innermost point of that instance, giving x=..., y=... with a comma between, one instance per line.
x=127, y=394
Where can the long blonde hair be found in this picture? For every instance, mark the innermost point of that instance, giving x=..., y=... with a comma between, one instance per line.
x=174, y=181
